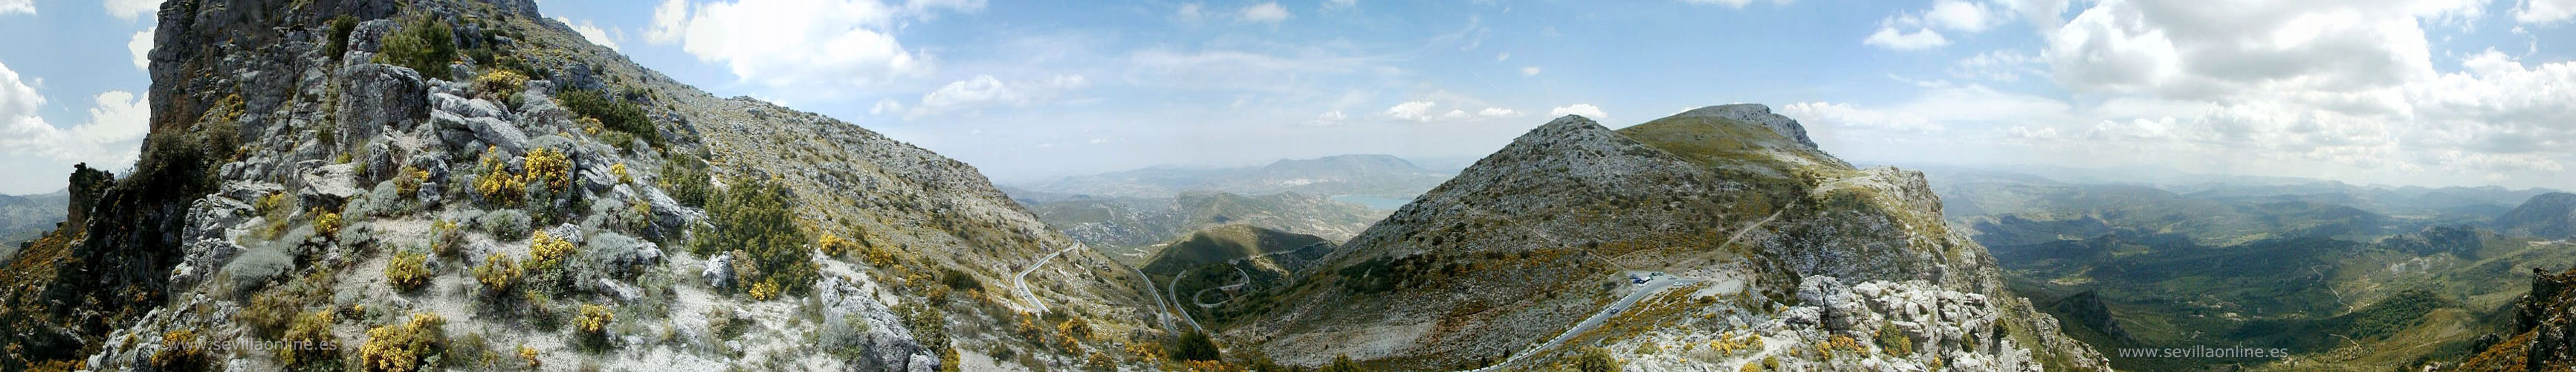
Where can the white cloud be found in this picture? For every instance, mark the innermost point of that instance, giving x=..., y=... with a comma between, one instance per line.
x=1269, y=12
x=670, y=22
x=1585, y=109
x=1960, y=15
x=1998, y=65
x=1506, y=56
x=1845, y=116
x=2544, y=11
x=885, y=106
x=1415, y=111
x=1498, y=112
x=1331, y=116
x=110, y=140
x=1922, y=38
x=127, y=9
x=818, y=47
x=1529, y=71
x=141, y=47
x=986, y=91
x=1190, y=13
x=1340, y=4
x=590, y=32
x=27, y=7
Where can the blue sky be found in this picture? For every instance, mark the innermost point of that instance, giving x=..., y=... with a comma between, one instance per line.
x=2402, y=92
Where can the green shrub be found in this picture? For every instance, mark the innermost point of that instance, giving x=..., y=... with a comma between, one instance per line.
x=685, y=177
x=614, y=114
x=504, y=224
x=421, y=43
x=340, y=28
x=1192, y=346
x=1893, y=341
x=958, y=280
x=270, y=313
x=754, y=218
x=1595, y=359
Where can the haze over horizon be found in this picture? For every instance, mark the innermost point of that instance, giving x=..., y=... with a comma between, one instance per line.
x=2429, y=92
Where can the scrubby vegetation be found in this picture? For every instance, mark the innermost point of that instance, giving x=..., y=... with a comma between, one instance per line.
x=407, y=270
x=309, y=344
x=754, y=218
x=685, y=177
x=612, y=113
x=1191, y=346
x=414, y=345
x=422, y=43
x=592, y=325
x=499, y=274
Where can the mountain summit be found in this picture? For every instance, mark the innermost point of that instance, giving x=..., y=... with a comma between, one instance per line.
x=1718, y=224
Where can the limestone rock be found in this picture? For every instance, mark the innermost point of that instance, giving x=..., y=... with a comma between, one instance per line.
x=378, y=97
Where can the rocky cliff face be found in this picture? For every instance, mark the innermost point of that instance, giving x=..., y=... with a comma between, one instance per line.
x=467, y=184
x=1731, y=205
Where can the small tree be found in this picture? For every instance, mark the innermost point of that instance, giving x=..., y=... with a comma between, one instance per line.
x=423, y=44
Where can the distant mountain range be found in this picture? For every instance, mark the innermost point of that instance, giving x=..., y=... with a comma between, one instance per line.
x=1370, y=175
x=23, y=217
x=1128, y=229
x=2410, y=275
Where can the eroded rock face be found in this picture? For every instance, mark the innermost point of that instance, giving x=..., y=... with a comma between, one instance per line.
x=887, y=344
x=375, y=98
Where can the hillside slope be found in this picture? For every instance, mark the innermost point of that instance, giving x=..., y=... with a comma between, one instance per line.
x=1130, y=229
x=468, y=184
x=2547, y=216
x=1364, y=174
x=1731, y=203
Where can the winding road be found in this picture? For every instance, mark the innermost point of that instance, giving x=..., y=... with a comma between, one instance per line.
x=1021, y=281
x=1649, y=288
x=1238, y=271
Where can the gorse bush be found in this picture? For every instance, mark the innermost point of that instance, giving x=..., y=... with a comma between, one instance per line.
x=309, y=343
x=499, y=83
x=407, y=270
x=498, y=273
x=592, y=324
x=546, y=253
x=326, y=224
x=410, y=346
x=495, y=183
x=180, y=352
x=421, y=43
x=614, y=114
x=548, y=165
x=754, y=218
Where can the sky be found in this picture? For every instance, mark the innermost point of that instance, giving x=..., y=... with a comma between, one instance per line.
x=2390, y=92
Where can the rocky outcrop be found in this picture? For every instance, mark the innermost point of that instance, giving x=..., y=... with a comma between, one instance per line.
x=375, y=98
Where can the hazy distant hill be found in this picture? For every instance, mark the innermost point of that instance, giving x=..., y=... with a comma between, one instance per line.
x=1373, y=175
x=2548, y=216
x=1128, y=229
x=23, y=217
